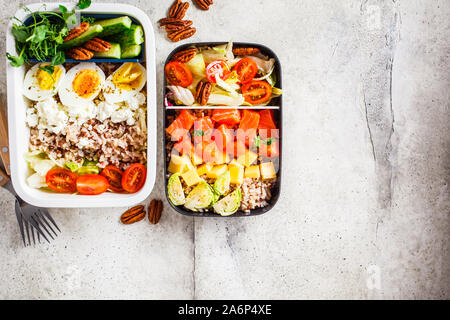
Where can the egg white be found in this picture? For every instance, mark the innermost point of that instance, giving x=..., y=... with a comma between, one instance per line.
x=66, y=93
x=113, y=94
x=31, y=88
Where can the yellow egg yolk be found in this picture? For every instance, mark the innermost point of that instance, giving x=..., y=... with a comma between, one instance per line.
x=128, y=77
x=86, y=83
x=46, y=81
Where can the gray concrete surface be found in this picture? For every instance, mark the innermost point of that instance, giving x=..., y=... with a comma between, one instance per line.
x=364, y=211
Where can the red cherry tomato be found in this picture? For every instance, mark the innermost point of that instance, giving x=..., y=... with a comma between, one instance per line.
x=114, y=176
x=256, y=92
x=178, y=74
x=246, y=70
x=134, y=178
x=92, y=184
x=215, y=69
x=61, y=180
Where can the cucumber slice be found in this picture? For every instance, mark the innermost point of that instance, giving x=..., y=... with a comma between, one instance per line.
x=131, y=51
x=114, y=52
x=175, y=190
x=113, y=26
x=130, y=37
x=222, y=184
x=229, y=204
x=200, y=197
x=90, y=33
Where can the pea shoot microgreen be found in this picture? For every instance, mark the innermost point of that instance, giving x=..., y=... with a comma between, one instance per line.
x=42, y=37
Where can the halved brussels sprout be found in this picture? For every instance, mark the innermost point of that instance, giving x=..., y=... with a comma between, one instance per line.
x=229, y=204
x=200, y=197
x=175, y=190
x=222, y=184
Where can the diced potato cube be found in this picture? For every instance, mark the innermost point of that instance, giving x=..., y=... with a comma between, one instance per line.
x=247, y=158
x=236, y=174
x=177, y=164
x=267, y=170
x=217, y=171
x=235, y=163
x=204, y=168
x=189, y=165
x=191, y=177
x=196, y=160
x=222, y=158
x=252, y=172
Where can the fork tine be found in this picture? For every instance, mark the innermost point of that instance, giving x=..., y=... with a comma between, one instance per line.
x=20, y=221
x=36, y=226
x=28, y=231
x=32, y=236
x=45, y=212
x=46, y=222
x=36, y=217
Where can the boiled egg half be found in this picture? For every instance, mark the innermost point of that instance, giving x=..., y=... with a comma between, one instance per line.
x=42, y=81
x=125, y=82
x=81, y=84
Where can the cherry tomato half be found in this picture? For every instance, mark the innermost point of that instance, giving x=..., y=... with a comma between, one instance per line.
x=246, y=70
x=256, y=92
x=61, y=180
x=92, y=184
x=114, y=177
x=134, y=178
x=178, y=74
x=217, y=68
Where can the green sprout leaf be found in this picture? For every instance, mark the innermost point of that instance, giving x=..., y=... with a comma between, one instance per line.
x=198, y=133
x=83, y=4
x=49, y=69
x=19, y=34
x=59, y=58
x=15, y=61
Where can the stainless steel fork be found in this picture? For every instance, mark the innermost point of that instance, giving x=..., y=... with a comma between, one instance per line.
x=30, y=218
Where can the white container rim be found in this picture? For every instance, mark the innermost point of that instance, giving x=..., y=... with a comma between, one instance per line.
x=19, y=132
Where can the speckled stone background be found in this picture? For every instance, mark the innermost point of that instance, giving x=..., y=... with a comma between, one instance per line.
x=364, y=211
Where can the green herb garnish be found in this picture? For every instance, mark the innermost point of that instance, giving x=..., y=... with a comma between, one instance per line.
x=83, y=4
x=89, y=20
x=41, y=39
x=48, y=68
x=267, y=141
x=198, y=133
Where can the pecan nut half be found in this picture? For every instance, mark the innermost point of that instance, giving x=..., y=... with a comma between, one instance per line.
x=245, y=51
x=75, y=32
x=182, y=34
x=203, y=92
x=133, y=215
x=203, y=4
x=154, y=211
x=97, y=45
x=184, y=55
x=164, y=21
x=178, y=9
x=79, y=53
x=174, y=25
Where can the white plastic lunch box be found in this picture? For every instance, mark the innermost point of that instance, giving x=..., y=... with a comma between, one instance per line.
x=19, y=132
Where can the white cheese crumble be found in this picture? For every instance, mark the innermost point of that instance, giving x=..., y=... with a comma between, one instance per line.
x=53, y=116
x=47, y=114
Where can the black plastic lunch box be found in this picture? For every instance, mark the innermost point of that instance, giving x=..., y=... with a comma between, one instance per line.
x=278, y=115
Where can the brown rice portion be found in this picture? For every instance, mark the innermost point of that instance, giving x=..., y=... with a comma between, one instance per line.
x=255, y=193
x=106, y=142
